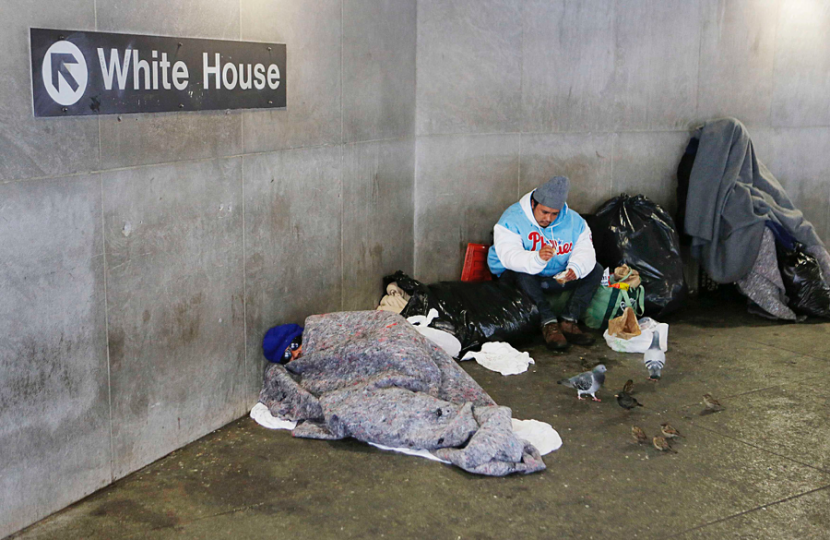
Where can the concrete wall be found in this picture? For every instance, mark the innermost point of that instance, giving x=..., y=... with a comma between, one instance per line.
x=143, y=257
x=511, y=92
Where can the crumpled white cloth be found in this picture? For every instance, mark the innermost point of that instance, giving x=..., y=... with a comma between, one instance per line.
x=501, y=357
x=264, y=418
x=445, y=340
x=539, y=434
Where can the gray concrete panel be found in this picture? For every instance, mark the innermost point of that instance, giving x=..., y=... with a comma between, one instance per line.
x=568, y=65
x=190, y=19
x=54, y=405
x=737, y=52
x=657, y=55
x=30, y=147
x=800, y=162
x=469, y=66
x=312, y=31
x=175, y=296
x=462, y=186
x=131, y=139
x=646, y=163
x=378, y=69
x=378, y=185
x=802, y=61
x=587, y=159
x=293, y=211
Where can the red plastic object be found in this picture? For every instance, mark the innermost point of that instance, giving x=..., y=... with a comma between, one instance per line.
x=475, y=264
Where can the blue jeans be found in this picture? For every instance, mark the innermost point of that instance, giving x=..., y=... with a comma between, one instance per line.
x=536, y=287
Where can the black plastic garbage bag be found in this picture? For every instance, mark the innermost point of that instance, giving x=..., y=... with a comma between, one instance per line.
x=474, y=312
x=807, y=291
x=640, y=233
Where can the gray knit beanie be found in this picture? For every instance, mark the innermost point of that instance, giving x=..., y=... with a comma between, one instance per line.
x=554, y=193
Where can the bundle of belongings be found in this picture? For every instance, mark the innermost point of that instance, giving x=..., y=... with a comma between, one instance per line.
x=394, y=300
x=745, y=229
x=371, y=376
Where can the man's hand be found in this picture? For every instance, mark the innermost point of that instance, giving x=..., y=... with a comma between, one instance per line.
x=546, y=253
x=570, y=275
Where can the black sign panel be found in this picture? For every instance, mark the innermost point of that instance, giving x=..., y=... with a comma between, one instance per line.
x=76, y=73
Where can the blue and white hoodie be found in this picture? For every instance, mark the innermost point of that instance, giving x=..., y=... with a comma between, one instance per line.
x=518, y=238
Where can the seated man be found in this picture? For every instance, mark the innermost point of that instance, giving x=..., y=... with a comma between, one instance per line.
x=542, y=245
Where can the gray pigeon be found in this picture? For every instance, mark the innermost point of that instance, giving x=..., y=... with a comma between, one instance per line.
x=655, y=358
x=587, y=383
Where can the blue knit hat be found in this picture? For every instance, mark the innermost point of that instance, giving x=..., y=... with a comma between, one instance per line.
x=279, y=338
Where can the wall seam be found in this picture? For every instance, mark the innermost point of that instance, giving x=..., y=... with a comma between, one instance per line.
x=415, y=151
x=107, y=325
x=774, y=62
x=699, y=56
x=106, y=283
x=244, y=241
x=244, y=276
x=521, y=95
x=342, y=163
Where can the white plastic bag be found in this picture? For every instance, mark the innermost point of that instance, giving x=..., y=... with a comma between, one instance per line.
x=445, y=340
x=641, y=343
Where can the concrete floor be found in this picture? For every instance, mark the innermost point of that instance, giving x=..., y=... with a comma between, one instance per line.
x=759, y=469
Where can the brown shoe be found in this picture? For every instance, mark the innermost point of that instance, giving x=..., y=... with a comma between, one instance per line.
x=554, y=339
x=574, y=335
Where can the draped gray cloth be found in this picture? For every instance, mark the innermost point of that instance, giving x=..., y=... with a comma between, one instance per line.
x=371, y=376
x=731, y=195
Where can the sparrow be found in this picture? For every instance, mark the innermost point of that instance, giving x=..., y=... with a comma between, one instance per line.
x=639, y=435
x=662, y=444
x=626, y=401
x=586, y=383
x=668, y=431
x=712, y=404
x=628, y=386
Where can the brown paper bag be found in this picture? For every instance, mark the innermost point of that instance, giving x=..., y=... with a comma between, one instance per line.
x=621, y=271
x=625, y=326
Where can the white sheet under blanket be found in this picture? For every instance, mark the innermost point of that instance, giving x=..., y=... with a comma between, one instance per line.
x=539, y=434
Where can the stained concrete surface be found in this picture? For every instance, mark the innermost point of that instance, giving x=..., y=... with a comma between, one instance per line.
x=759, y=469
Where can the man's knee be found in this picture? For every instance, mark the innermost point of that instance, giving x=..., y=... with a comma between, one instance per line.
x=595, y=276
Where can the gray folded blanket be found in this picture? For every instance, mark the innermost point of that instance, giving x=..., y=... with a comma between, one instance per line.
x=371, y=376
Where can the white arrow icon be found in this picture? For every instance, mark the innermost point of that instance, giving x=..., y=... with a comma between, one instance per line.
x=64, y=73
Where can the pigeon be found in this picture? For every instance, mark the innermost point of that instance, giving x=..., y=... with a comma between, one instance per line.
x=626, y=401
x=668, y=431
x=639, y=435
x=712, y=404
x=628, y=386
x=655, y=358
x=586, y=383
x=662, y=444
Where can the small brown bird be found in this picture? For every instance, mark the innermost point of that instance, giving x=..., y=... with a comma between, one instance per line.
x=626, y=401
x=628, y=386
x=639, y=435
x=668, y=431
x=712, y=404
x=662, y=444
